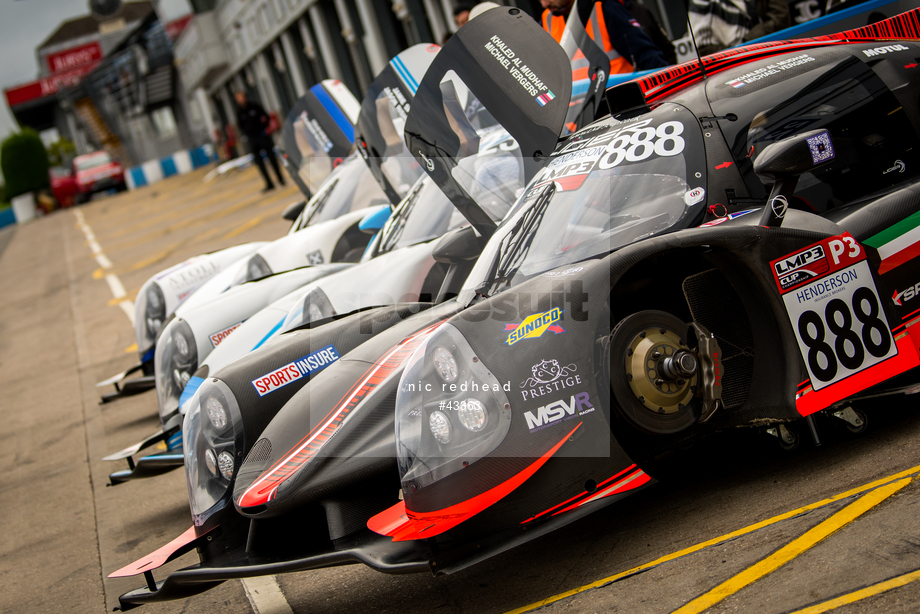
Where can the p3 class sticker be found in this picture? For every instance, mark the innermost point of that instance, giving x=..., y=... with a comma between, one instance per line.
x=835, y=309
x=694, y=196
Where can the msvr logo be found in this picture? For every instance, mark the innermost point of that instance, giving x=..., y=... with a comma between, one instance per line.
x=553, y=412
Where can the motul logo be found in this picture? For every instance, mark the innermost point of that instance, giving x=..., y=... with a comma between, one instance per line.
x=883, y=50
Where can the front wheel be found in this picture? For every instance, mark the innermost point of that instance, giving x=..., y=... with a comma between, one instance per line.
x=653, y=373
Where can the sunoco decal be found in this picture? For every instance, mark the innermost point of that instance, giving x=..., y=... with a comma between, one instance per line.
x=300, y=368
x=535, y=325
x=220, y=335
x=578, y=404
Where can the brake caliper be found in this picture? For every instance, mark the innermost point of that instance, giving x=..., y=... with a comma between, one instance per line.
x=710, y=369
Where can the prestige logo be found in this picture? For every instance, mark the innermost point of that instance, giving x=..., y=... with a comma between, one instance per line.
x=291, y=372
x=548, y=376
x=579, y=404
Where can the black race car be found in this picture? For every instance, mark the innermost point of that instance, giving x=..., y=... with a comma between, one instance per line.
x=733, y=245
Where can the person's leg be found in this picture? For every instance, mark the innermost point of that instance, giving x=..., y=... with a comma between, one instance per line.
x=257, y=158
x=270, y=152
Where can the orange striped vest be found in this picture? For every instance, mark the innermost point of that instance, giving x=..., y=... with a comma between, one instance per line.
x=597, y=30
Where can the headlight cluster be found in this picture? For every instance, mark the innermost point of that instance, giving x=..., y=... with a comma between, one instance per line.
x=212, y=434
x=175, y=361
x=150, y=313
x=450, y=410
x=314, y=306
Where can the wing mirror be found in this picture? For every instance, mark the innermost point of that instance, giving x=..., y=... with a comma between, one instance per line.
x=293, y=210
x=374, y=221
x=784, y=161
x=459, y=248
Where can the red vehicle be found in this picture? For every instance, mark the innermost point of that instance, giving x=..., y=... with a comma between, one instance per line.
x=97, y=172
x=63, y=185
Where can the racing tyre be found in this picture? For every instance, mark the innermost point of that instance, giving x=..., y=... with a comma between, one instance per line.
x=648, y=388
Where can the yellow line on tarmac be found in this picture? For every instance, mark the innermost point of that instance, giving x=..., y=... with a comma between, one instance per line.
x=869, y=591
x=131, y=348
x=241, y=229
x=793, y=549
x=718, y=540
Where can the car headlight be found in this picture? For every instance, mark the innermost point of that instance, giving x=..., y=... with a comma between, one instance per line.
x=175, y=361
x=212, y=435
x=450, y=410
x=149, y=314
x=314, y=306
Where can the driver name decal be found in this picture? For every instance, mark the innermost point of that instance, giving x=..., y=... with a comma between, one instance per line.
x=293, y=371
x=772, y=69
x=834, y=308
x=535, y=325
x=519, y=71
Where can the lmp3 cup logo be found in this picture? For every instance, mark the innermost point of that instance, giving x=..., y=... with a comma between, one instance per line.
x=802, y=266
x=300, y=368
x=535, y=325
x=578, y=405
x=549, y=376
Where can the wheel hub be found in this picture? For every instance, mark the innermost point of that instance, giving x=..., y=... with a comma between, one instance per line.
x=661, y=370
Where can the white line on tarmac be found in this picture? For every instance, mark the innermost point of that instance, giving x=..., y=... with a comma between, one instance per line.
x=115, y=285
x=265, y=595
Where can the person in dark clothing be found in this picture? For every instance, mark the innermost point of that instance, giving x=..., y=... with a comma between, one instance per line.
x=652, y=28
x=253, y=122
x=626, y=44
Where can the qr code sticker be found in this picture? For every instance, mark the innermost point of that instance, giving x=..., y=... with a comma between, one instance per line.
x=821, y=147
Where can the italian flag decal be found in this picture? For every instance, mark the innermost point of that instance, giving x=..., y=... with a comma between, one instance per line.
x=897, y=244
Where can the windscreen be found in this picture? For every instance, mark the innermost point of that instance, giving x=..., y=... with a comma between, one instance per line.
x=350, y=188
x=379, y=132
x=84, y=163
x=317, y=136
x=612, y=184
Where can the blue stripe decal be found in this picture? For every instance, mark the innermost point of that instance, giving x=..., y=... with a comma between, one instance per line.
x=149, y=354
x=194, y=383
x=174, y=442
x=137, y=174
x=400, y=67
x=269, y=335
x=334, y=111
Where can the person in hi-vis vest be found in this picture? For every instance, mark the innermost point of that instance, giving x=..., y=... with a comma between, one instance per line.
x=627, y=45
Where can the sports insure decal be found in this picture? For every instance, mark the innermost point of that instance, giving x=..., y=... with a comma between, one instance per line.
x=535, y=325
x=834, y=308
x=519, y=71
x=220, y=335
x=293, y=371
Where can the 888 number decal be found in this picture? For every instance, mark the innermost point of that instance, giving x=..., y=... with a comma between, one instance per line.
x=833, y=342
x=840, y=325
x=639, y=142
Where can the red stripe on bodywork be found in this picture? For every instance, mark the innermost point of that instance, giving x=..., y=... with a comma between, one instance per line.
x=579, y=496
x=162, y=555
x=404, y=525
x=895, y=260
x=816, y=400
x=264, y=487
x=666, y=82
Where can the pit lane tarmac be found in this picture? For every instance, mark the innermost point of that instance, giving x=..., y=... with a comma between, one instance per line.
x=741, y=527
